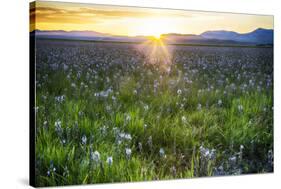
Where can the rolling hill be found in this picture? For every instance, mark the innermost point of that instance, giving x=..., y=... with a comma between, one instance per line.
x=259, y=36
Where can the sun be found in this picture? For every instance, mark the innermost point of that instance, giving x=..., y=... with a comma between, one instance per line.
x=154, y=27
x=157, y=36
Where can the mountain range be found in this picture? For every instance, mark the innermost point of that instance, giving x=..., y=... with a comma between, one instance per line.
x=259, y=36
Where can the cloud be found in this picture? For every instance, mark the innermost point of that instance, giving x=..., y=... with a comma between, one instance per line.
x=56, y=15
x=114, y=13
x=93, y=15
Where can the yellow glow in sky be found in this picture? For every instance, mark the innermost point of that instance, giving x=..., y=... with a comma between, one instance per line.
x=132, y=21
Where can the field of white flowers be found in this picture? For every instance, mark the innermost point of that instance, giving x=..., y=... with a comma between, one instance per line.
x=109, y=112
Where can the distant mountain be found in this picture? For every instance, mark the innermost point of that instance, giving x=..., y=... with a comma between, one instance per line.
x=175, y=38
x=258, y=36
x=84, y=35
x=69, y=34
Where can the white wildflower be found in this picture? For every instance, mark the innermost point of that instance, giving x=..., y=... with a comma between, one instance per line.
x=179, y=91
x=58, y=127
x=84, y=139
x=199, y=106
x=240, y=108
x=149, y=142
x=109, y=160
x=145, y=126
x=128, y=153
x=73, y=85
x=183, y=119
x=146, y=107
x=95, y=156
x=60, y=99
x=140, y=146
x=241, y=147
x=128, y=118
x=219, y=102
x=232, y=159
x=162, y=152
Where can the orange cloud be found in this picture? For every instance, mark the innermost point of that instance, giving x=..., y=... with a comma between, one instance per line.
x=135, y=21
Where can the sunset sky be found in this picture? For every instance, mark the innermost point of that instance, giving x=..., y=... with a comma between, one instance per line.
x=132, y=21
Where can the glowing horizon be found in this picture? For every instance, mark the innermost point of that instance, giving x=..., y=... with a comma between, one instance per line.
x=134, y=21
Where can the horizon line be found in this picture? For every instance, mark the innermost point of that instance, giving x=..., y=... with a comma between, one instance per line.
x=151, y=35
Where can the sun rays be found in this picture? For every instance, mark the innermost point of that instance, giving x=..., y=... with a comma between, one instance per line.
x=157, y=53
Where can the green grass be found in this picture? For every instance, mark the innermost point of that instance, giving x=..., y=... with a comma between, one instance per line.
x=173, y=122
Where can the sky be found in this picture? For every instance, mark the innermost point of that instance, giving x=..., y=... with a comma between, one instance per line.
x=133, y=21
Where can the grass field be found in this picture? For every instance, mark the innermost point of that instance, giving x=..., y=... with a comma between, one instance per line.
x=127, y=112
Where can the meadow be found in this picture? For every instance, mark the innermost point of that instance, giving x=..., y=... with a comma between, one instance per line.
x=109, y=112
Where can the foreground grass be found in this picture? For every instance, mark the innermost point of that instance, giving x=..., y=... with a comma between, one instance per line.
x=129, y=121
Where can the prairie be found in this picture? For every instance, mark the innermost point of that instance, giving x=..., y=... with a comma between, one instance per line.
x=109, y=112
